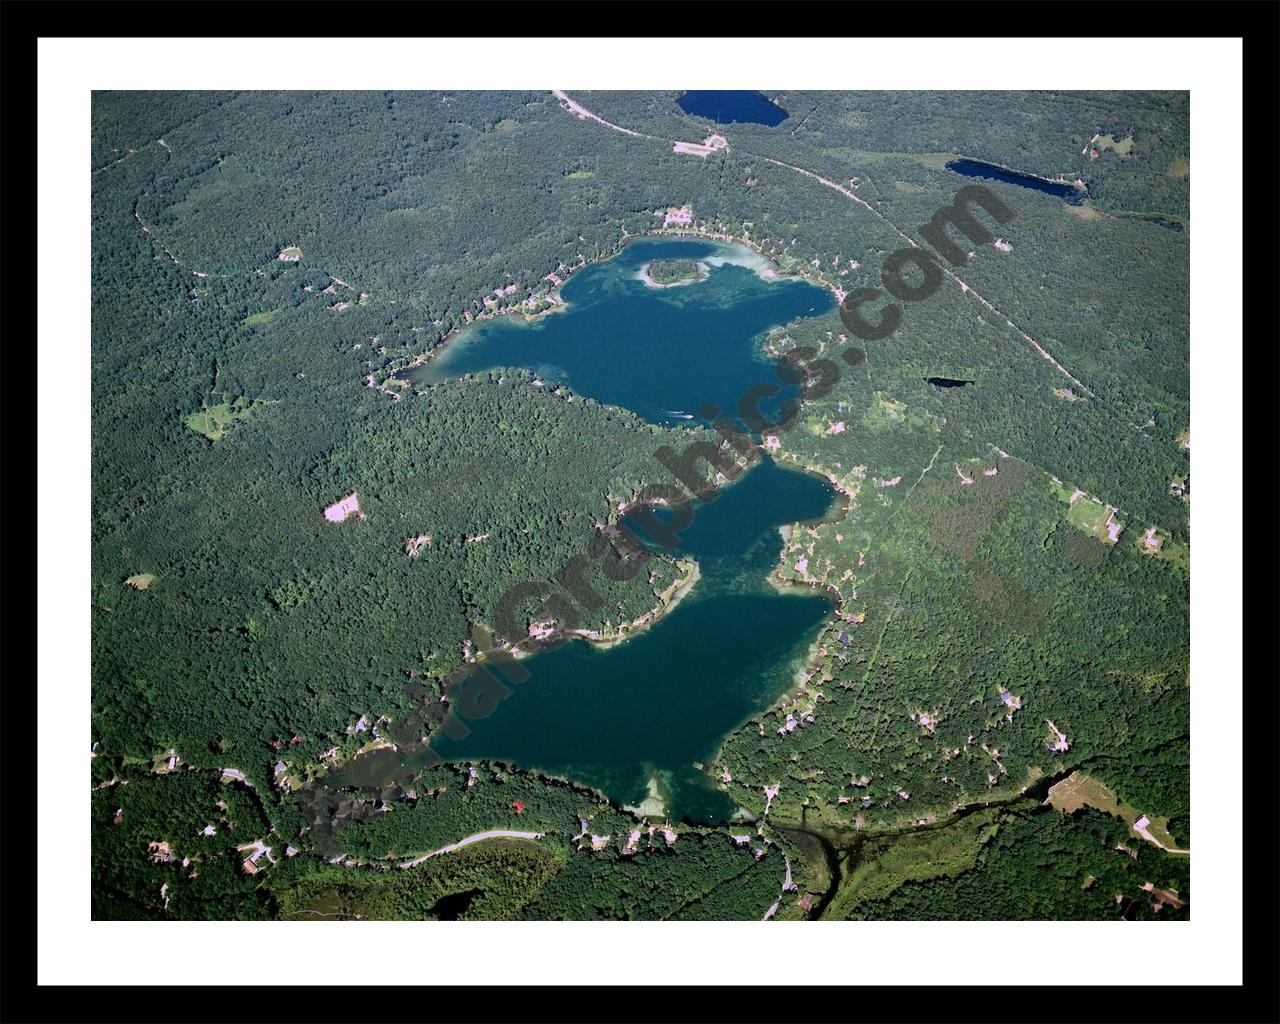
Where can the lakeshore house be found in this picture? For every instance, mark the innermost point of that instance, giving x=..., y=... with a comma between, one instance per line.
x=681, y=217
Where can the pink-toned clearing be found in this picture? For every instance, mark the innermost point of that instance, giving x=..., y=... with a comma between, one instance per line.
x=681, y=217
x=701, y=149
x=339, y=510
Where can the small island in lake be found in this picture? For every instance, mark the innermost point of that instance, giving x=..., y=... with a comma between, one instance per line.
x=664, y=273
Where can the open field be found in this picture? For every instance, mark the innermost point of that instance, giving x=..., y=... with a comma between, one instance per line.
x=214, y=421
x=1081, y=790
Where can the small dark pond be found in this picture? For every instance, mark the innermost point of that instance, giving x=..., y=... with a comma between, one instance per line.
x=453, y=906
x=1161, y=222
x=728, y=106
x=978, y=169
x=946, y=382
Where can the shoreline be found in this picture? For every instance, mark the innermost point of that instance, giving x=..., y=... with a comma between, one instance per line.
x=557, y=304
x=772, y=272
x=768, y=269
x=1077, y=183
x=811, y=662
x=666, y=603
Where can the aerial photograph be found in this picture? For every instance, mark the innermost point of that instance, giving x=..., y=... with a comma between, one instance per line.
x=626, y=505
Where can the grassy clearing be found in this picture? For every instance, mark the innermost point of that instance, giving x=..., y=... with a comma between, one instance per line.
x=1122, y=147
x=259, y=318
x=908, y=187
x=914, y=857
x=1060, y=489
x=1092, y=516
x=291, y=252
x=884, y=412
x=1089, y=514
x=1085, y=211
x=1178, y=554
x=934, y=161
x=580, y=175
x=214, y=421
x=1080, y=790
x=141, y=581
x=1180, y=168
x=1155, y=543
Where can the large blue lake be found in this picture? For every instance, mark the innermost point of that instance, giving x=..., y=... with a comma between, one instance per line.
x=633, y=719
x=664, y=353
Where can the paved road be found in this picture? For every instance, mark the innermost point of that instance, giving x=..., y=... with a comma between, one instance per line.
x=499, y=833
x=582, y=111
x=1152, y=839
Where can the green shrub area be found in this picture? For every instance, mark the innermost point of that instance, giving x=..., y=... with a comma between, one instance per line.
x=491, y=882
x=1044, y=866
x=702, y=877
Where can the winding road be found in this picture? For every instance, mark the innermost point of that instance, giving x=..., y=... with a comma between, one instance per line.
x=968, y=289
x=499, y=833
x=1152, y=839
x=583, y=112
x=787, y=884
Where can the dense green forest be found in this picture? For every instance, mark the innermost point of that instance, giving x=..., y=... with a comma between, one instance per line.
x=265, y=266
x=672, y=271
